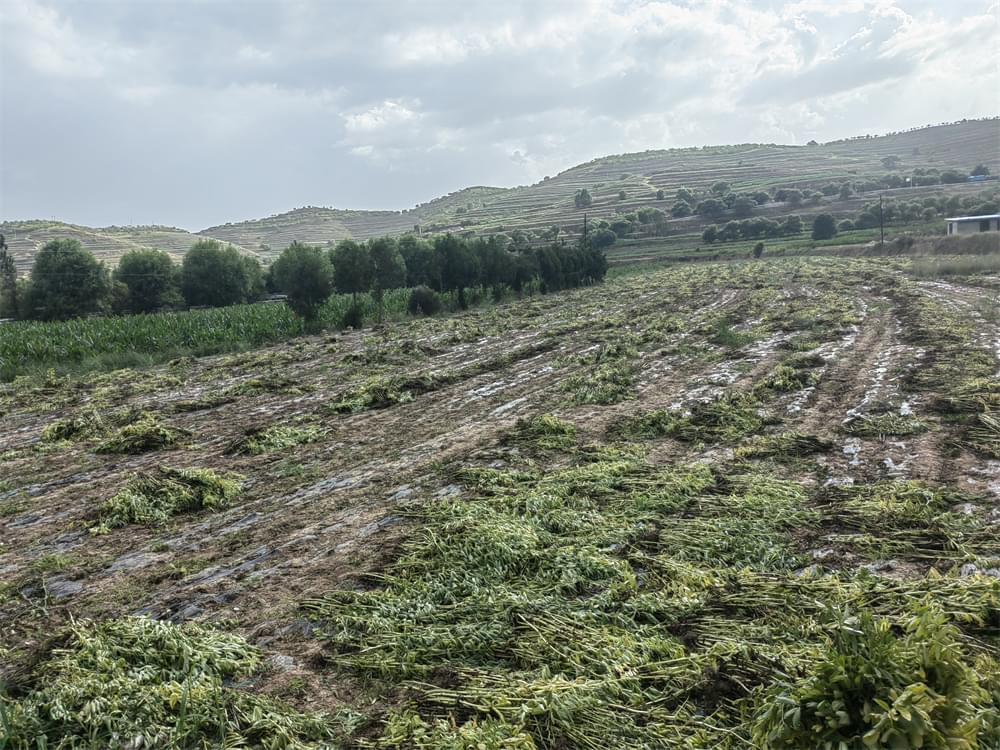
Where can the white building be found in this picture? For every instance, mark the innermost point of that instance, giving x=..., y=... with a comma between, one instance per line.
x=973, y=224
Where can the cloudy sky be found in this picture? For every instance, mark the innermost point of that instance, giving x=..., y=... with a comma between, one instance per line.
x=196, y=113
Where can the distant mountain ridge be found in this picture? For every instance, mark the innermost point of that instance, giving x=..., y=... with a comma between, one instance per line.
x=538, y=207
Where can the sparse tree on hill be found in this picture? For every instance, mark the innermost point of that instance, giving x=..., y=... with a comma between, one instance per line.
x=659, y=195
x=150, y=279
x=305, y=275
x=680, y=209
x=824, y=227
x=418, y=256
x=582, y=198
x=621, y=195
x=711, y=207
x=758, y=250
x=720, y=188
x=981, y=170
x=66, y=282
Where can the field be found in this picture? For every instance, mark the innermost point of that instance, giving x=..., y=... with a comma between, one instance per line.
x=719, y=505
x=537, y=207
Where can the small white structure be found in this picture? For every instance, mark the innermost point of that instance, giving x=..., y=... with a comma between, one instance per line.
x=973, y=224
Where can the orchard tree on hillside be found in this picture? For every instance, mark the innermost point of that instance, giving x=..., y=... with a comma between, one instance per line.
x=824, y=227
x=352, y=268
x=217, y=275
x=981, y=170
x=720, y=188
x=582, y=198
x=305, y=275
x=66, y=282
x=151, y=280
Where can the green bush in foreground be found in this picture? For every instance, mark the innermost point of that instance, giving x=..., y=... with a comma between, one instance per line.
x=877, y=689
x=141, y=683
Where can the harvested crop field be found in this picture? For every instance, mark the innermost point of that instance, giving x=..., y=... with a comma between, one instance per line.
x=740, y=505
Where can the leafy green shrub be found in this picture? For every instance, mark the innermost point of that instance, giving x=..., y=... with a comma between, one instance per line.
x=154, y=497
x=423, y=301
x=136, y=682
x=877, y=689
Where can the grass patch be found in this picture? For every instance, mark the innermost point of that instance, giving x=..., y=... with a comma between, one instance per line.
x=143, y=435
x=377, y=393
x=783, y=445
x=608, y=383
x=786, y=379
x=730, y=417
x=544, y=432
x=155, y=497
x=141, y=683
x=261, y=440
x=884, y=425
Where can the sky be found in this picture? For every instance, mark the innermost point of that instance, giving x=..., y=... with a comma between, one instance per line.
x=193, y=114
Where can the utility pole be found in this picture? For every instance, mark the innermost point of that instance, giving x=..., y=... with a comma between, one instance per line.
x=881, y=222
x=585, y=225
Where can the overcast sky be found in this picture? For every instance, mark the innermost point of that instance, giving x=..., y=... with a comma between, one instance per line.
x=198, y=113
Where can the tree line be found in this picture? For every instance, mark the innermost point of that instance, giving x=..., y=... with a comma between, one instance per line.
x=67, y=281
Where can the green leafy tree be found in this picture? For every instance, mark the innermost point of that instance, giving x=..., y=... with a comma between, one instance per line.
x=418, y=256
x=711, y=234
x=66, y=282
x=353, y=270
x=659, y=195
x=621, y=195
x=603, y=238
x=388, y=269
x=582, y=199
x=216, y=275
x=981, y=170
x=824, y=227
x=758, y=250
x=681, y=209
x=305, y=275
x=683, y=194
x=459, y=266
x=720, y=188
x=8, y=282
x=150, y=279
x=711, y=207
x=744, y=205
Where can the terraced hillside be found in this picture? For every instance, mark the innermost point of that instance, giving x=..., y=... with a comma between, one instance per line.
x=550, y=202
x=26, y=238
x=665, y=512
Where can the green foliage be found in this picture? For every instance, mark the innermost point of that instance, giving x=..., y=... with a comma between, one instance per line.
x=544, y=432
x=607, y=383
x=216, y=275
x=388, y=268
x=582, y=199
x=304, y=274
x=376, y=393
x=878, y=689
x=154, y=497
x=66, y=282
x=824, y=227
x=261, y=440
x=136, y=682
x=145, y=434
x=884, y=425
x=151, y=280
x=8, y=282
x=423, y=301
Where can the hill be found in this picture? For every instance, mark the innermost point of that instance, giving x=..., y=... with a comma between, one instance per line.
x=747, y=167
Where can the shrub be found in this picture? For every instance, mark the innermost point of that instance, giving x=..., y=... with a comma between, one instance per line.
x=423, y=301
x=354, y=316
x=824, y=227
x=141, y=436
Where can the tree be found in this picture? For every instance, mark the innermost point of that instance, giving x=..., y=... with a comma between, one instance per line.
x=952, y=176
x=794, y=197
x=352, y=268
x=758, y=250
x=388, y=269
x=744, y=205
x=582, y=198
x=603, y=238
x=418, y=257
x=710, y=234
x=659, y=194
x=762, y=197
x=683, y=194
x=621, y=195
x=215, y=274
x=720, y=188
x=845, y=191
x=8, y=282
x=890, y=162
x=305, y=275
x=791, y=225
x=711, y=207
x=824, y=227
x=459, y=266
x=150, y=279
x=681, y=209
x=981, y=170
x=66, y=282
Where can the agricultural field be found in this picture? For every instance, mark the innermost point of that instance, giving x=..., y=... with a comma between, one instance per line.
x=719, y=505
